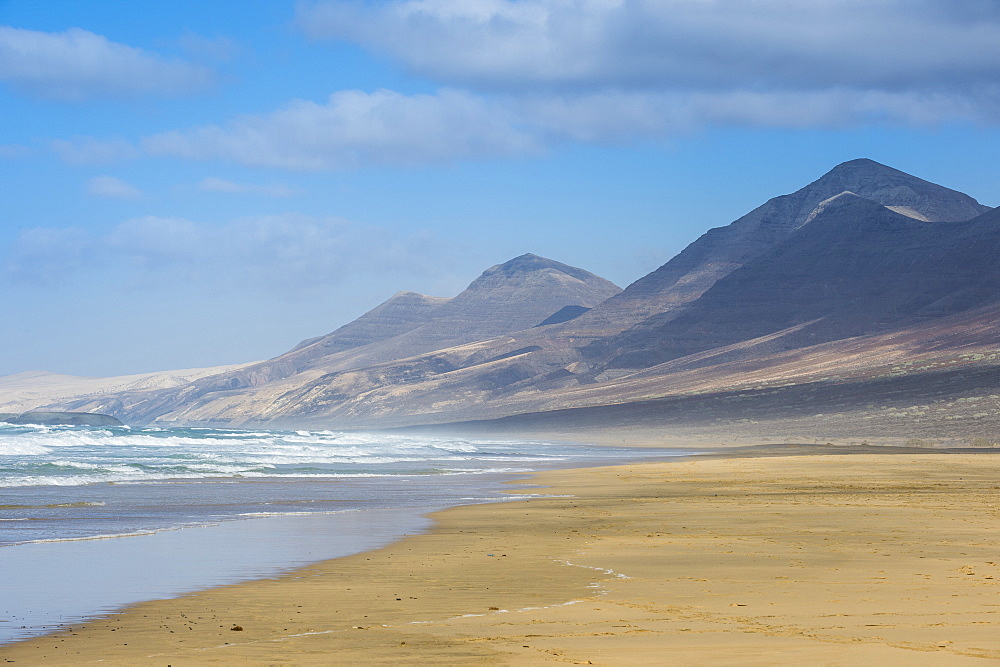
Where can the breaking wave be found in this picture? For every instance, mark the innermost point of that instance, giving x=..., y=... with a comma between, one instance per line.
x=64, y=456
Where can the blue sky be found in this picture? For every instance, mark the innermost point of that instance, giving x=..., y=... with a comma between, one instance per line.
x=198, y=183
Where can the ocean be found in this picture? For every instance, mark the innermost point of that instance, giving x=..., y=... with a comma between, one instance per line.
x=93, y=519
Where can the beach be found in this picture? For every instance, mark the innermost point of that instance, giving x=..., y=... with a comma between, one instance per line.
x=825, y=558
x=94, y=519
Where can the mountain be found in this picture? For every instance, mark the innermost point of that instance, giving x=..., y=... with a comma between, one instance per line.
x=508, y=297
x=60, y=419
x=866, y=284
x=724, y=249
x=512, y=296
x=400, y=313
x=859, y=292
x=24, y=392
x=854, y=267
x=812, y=270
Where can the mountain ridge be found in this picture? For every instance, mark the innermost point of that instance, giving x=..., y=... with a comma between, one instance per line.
x=506, y=297
x=857, y=262
x=860, y=255
x=723, y=249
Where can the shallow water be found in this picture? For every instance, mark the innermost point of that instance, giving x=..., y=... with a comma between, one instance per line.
x=77, y=482
x=51, y=584
x=92, y=519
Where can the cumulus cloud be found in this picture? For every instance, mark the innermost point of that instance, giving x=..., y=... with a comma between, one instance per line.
x=212, y=184
x=784, y=44
x=112, y=188
x=76, y=65
x=288, y=253
x=356, y=129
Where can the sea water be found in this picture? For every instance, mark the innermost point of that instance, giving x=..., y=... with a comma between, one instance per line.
x=92, y=519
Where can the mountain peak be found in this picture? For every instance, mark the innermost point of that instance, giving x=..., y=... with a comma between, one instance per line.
x=524, y=266
x=864, y=165
x=865, y=170
x=407, y=295
x=890, y=187
x=528, y=262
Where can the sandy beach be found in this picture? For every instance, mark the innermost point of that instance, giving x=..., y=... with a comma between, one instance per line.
x=822, y=559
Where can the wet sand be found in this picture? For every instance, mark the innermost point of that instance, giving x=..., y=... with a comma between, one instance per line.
x=52, y=584
x=832, y=559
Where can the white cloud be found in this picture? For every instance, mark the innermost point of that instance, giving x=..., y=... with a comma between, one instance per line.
x=76, y=65
x=521, y=77
x=356, y=129
x=212, y=184
x=289, y=253
x=91, y=150
x=197, y=46
x=112, y=188
x=678, y=44
x=47, y=256
x=616, y=117
x=11, y=151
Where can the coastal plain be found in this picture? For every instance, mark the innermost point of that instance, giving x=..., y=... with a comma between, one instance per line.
x=807, y=554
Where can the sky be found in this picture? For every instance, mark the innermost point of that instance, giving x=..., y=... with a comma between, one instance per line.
x=194, y=183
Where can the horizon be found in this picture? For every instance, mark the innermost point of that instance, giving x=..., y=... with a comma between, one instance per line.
x=189, y=187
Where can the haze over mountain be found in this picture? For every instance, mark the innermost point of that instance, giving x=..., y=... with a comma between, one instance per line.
x=810, y=287
x=515, y=295
x=512, y=296
x=508, y=297
x=26, y=391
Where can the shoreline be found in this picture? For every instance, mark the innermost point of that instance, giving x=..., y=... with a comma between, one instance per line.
x=212, y=542
x=552, y=575
x=68, y=582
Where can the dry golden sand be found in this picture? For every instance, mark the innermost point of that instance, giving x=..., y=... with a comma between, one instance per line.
x=839, y=559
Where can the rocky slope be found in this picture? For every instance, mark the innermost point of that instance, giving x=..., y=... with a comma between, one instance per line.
x=722, y=250
x=400, y=313
x=854, y=268
x=516, y=295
